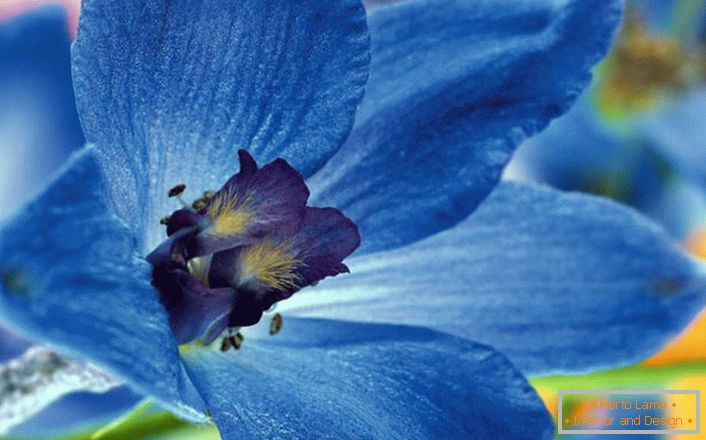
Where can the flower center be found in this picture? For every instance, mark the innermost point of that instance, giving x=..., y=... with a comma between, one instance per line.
x=231, y=255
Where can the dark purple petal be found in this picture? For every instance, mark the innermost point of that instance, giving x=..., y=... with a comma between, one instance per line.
x=226, y=268
x=248, y=165
x=248, y=308
x=180, y=219
x=253, y=204
x=285, y=265
x=216, y=330
x=173, y=252
x=224, y=265
x=193, y=309
x=326, y=238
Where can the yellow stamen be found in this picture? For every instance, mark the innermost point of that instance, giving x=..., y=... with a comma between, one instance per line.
x=230, y=213
x=274, y=265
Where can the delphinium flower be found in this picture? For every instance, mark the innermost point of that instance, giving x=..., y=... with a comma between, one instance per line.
x=151, y=257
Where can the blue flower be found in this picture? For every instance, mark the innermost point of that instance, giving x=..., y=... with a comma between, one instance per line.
x=638, y=134
x=169, y=91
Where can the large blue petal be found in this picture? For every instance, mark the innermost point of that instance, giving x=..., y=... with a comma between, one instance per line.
x=454, y=87
x=69, y=275
x=372, y=4
x=39, y=125
x=557, y=282
x=332, y=379
x=171, y=89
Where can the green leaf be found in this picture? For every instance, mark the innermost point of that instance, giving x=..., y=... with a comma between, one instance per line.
x=636, y=377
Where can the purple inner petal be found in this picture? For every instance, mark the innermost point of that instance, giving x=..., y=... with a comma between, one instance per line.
x=251, y=205
x=272, y=271
x=254, y=243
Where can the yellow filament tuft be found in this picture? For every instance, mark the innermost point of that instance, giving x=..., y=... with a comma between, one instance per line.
x=274, y=265
x=230, y=213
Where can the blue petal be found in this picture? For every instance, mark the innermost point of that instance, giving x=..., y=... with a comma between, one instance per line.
x=78, y=411
x=39, y=125
x=681, y=208
x=12, y=345
x=557, y=282
x=40, y=128
x=679, y=133
x=573, y=153
x=655, y=13
x=329, y=379
x=69, y=275
x=580, y=152
x=454, y=87
x=172, y=89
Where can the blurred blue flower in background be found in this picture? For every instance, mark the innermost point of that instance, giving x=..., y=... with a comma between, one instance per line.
x=557, y=282
x=637, y=135
x=36, y=92
x=39, y=126
x=39, y=129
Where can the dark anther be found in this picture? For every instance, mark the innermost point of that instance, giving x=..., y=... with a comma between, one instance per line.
x=276, y=324
x=201, y=202
x=234, y=341
x=164, y=220
x=177, y=190
x=225, y=344
x=237, y=340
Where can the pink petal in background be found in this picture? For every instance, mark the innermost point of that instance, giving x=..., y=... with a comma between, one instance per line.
x=12, y=8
